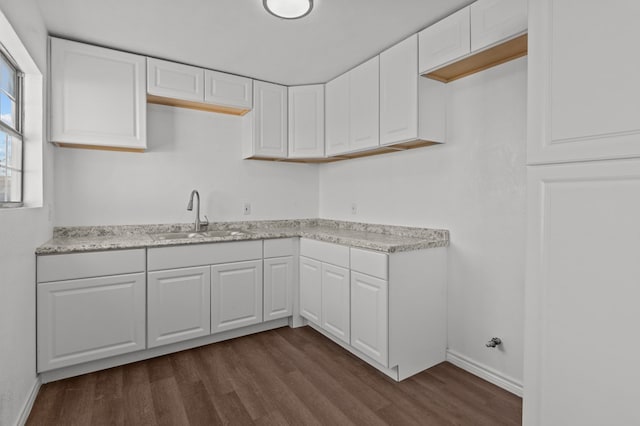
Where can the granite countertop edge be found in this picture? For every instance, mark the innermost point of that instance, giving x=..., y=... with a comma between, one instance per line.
x=385, y=238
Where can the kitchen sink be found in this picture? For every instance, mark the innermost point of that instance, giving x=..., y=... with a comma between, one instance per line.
x=196, y=235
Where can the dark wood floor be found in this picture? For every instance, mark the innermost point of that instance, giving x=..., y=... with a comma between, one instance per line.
x=280, y=377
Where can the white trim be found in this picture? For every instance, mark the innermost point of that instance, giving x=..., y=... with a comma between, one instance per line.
x=487, y=373
x=28, y=404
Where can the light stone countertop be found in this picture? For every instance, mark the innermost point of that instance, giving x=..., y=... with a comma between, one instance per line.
x=383, y=238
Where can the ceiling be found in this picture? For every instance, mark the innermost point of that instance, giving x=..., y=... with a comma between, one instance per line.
x=240, y=37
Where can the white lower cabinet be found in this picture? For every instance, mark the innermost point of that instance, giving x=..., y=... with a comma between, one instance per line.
x=87, y=319
x=335, y=301
x=178, y=305
x=311, y=290
x=278, y=287
x=369, y=316
x=236, y=295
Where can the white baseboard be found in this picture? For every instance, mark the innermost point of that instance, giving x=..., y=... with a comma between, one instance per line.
x=28, y=405
x=486, y=373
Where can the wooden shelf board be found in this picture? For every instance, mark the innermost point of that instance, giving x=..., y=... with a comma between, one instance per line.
x=496, y=55
x=97, y=147
x=160, y=100
x=403, y=146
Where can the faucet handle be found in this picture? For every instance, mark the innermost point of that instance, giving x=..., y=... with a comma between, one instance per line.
x=205, y=222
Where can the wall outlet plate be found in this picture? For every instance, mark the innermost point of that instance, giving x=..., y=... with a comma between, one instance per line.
x=247, y=209
x=354, y=208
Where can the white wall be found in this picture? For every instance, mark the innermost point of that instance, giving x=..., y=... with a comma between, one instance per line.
x=474, y=186
x=187, y=150
x=21, y=231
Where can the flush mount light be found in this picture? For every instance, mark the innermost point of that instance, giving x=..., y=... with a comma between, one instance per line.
x=288, y=9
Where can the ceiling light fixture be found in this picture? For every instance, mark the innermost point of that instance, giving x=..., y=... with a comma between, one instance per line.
x=288, y=9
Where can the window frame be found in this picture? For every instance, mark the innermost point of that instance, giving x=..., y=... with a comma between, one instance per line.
x=18, y=131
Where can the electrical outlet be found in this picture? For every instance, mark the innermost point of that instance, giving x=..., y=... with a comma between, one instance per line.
x=247, y=208
x=354, y=208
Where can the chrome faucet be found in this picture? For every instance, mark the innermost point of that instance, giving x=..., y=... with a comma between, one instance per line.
x=199, y=225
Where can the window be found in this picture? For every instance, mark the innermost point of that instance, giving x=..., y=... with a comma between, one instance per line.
x=10, y=133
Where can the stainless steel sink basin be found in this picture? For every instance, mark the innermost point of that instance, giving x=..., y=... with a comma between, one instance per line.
x=201, y=234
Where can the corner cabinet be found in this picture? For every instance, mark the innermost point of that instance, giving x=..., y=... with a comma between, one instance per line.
x=280, y=278
x=306, y=121
x=90, y=306
x=98, y=97
x=265, y=132
x=445, y=41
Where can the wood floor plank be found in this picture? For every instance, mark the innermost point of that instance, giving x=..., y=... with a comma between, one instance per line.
x=279, y=377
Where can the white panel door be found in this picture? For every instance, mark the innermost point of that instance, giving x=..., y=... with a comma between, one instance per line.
x=278, y=288
x=584, y=90
x=306, y=121
x=369, y=316
x=178, y=305
x=172, y=80
x=582, y=294
x=337, y=118
x=399, y=92
x=445, y=41
x=236, y=295
x=496, y=20
x=228, y=90
x=311, y=290
x=88, y=319
x=270, y=120
x=98, y=96
x=335, y=301
x=364, y=105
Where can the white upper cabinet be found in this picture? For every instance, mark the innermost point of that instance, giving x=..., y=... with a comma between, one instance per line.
x=399, y=92
x=306, y=121
x=172, y=80
x=337, y=119
x=445, y=41
x=266, y=130
x=98, y=96
x=364, y=105
x=228, y=90
x=496, y=20
x=581, y=71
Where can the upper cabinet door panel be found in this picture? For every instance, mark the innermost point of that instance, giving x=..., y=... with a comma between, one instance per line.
x=173, y=80
x=337, y=104
x=584, y=90
x=98, y=96
x=399, y=92
x=228, y=90
x=270, y=121
x=445, y=40
x=306, y=121
x=495, y=20
x=364, y=105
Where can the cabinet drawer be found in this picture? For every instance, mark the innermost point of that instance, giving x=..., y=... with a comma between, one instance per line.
x=60, y=267
x=326, y=252
x=370, y=262
x=203, y=254
x=279, y=247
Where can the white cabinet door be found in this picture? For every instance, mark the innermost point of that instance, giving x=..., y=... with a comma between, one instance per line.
x=335, y=301
x=364, y=105
x=98, y=96
x=88, y=319
x=172, y=80
x=582, y=294
x=311, y=290
x=306, y=121
x=581, y=108
x=445, y=40
x=399, y=92
x=178, y=305
x=236, y=295
x=369, y=316
x=496, y=20
x=278, y=287
x=228, y=90
x=270, y=120
x=337, y=93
